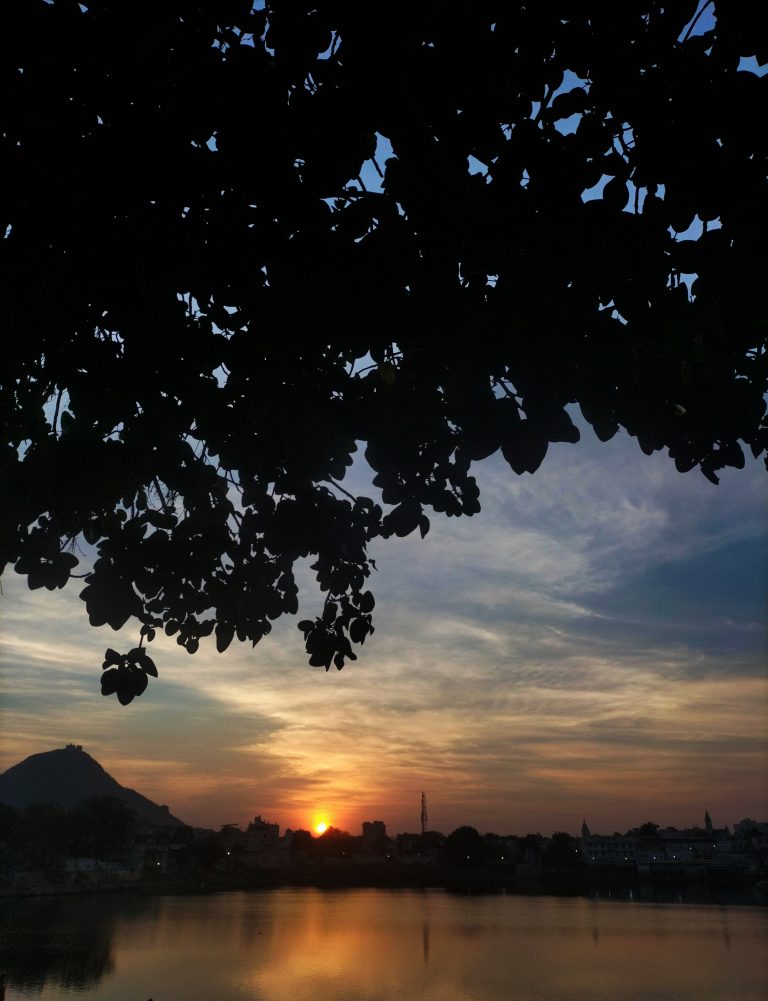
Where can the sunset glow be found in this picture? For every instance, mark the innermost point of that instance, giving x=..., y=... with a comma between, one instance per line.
x=591, y=653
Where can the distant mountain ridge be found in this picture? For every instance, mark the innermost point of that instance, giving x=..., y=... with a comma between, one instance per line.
x=69, y=775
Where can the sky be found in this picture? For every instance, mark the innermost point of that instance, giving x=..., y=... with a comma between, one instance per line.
x=591, y=645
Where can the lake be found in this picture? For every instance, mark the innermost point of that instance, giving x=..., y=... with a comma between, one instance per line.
x=304, y=944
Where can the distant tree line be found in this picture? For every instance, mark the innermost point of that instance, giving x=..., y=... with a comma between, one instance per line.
x=463, y=847
x=42, y=834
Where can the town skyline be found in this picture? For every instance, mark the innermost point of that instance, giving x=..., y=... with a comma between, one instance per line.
x=575, y=830
x=321, y=822
x=317, y=826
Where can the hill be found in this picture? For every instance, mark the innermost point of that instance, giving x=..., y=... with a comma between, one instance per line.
x=69, y=775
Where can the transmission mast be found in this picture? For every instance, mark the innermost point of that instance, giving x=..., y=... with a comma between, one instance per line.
x=423, y=813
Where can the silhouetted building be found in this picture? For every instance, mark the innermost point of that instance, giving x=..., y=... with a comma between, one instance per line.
x=261, y=834
x=374, y=831
x=608, y=849
x=749, y=850
x=650, y=847
x=231, y=837
x=264, y=848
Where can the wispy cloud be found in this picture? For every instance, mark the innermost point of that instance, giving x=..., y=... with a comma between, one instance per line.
x=591, y=643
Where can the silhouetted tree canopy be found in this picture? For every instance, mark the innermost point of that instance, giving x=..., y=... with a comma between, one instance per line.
x=207, y=308
x=301, y=842
x=466, y=846
x=648, y=829
x=562, y=852
x=99, y=826
x=41, y=834
x=333, y=843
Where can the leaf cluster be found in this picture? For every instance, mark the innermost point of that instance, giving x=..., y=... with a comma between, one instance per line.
x=208, y=308
x=125, y=675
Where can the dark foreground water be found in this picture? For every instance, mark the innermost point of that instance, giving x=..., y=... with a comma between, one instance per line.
x=379, y=945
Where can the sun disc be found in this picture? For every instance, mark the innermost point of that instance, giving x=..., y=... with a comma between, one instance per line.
x=321, y=828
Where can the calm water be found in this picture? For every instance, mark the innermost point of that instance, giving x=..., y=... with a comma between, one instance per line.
x=379, y=945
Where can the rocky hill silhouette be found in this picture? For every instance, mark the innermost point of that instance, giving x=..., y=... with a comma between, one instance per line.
x=69, y=775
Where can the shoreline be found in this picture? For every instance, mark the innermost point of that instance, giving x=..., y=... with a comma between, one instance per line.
x=618, y=886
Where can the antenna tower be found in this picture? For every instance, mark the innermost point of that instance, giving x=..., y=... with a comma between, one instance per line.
x=423, y=813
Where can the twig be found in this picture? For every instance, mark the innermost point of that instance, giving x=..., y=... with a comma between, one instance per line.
x=56, y=411
x=330, y=479
x=160, y=495
x=500, y=382
x=692, y=25
x=544, y=103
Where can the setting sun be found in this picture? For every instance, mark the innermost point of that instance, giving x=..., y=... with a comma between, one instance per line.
x=321, y=828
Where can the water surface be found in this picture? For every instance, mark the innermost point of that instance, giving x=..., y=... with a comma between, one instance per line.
x=379, y=945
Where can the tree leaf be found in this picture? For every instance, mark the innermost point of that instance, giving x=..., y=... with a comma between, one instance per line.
x=366, y=602
x=225, y=633
x=111, y=657
x=148, y=665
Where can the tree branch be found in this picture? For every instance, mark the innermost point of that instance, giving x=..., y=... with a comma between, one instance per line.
x=329, y=479
x=692, y=25
x=56, y=411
